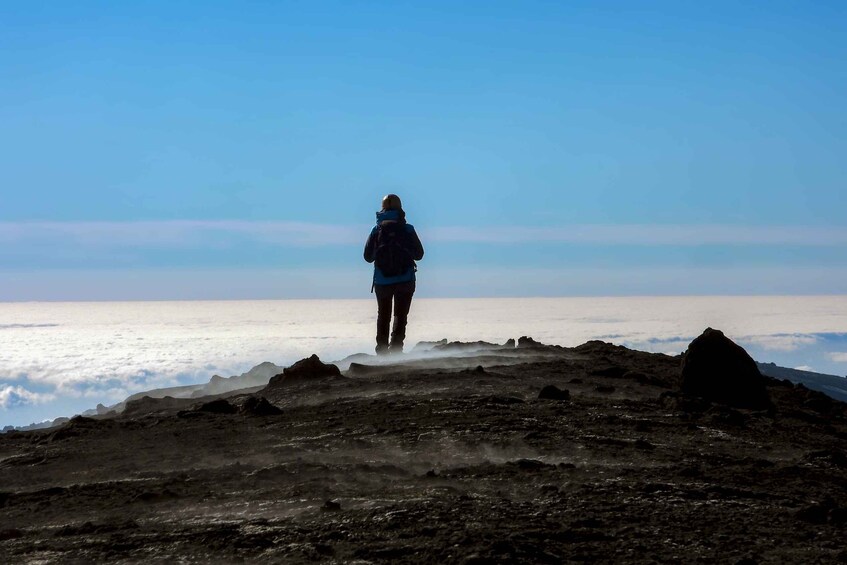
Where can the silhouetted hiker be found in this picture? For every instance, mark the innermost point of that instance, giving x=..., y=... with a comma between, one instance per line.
x=393, y=247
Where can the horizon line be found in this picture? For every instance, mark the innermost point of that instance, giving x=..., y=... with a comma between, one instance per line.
x=184, y=232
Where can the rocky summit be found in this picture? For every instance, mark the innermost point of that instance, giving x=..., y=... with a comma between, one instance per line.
x=478, y=453
x=717, y=369
x=309, y=369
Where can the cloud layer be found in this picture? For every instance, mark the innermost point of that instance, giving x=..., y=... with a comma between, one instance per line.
x=79, y=354
x=14, y=396
x=192, y=232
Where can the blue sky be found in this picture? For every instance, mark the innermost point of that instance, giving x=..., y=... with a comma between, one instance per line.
x=187, y=149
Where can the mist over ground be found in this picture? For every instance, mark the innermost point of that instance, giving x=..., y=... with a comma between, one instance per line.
x=63, y=358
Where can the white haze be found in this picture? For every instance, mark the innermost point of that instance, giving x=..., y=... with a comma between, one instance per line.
x=61, y=358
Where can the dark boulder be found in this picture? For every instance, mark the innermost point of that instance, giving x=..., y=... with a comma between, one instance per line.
x=219, y=406
x=531, y=464
x=551, y=392
x=827, y=511
x=331, y=506
x=455, y=346
x=717, y=369
x=526, y=341
x=259, y=406
x=428, y=345
x=307, y=369
x=359, y=369
x=644, y=445
x=149, y=405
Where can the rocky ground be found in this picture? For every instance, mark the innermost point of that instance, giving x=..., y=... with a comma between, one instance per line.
x=440, y=459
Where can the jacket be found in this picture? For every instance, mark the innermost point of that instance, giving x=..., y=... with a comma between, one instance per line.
x=414, y=247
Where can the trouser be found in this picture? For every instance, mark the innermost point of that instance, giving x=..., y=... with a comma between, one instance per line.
x=400, y=295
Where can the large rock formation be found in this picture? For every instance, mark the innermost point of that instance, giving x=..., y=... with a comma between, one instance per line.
x=257, y=376
x=526, y=341
x=304, y=370
x=717, y=369
x=455, y=346
x=149, y=405
x=259, y=406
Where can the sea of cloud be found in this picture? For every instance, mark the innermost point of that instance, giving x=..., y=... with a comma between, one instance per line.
x=59, y=359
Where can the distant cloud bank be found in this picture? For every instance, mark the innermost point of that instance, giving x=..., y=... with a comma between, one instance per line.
x=838, y=356
x=179, y=233
x=183, y=233
x=645, y=234
x=784, y=342
x=12, y=396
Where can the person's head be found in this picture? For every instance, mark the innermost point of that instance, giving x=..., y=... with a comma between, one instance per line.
x=391, y=202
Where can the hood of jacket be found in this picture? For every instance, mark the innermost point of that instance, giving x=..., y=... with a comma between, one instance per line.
x=390, y=216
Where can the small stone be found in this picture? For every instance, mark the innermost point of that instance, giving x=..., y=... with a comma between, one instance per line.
x=259, y=406
x=331, y=506
x=551, y=392
x=530, y=464
x=817, y=513
x=644, y=444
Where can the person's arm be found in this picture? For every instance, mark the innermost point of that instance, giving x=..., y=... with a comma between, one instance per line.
x=417, y=247
x=370, y=247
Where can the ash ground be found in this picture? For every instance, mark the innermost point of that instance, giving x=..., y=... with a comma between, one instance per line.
x=445, y=459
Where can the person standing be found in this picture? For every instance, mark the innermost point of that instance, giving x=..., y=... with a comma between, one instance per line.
x=393, y=247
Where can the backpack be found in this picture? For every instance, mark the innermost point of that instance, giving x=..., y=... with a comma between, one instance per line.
x=392, y=256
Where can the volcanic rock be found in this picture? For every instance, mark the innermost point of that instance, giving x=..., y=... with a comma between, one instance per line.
x=428, y=345
x=644, y=445
x=466, y=346
x=147, y=405
x=526, y=341
x=259, y=406
x=551, y=392
x=613, y=371
x=331, y=506
x=219, y=406
x=305, y=370
x=820, y=513
x=11, y=533
x=502, y=484
x=359, y=369
x=717, y=369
